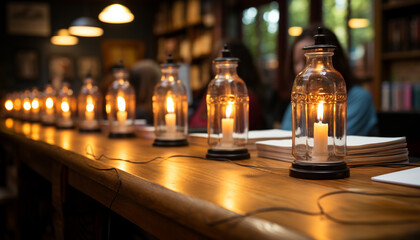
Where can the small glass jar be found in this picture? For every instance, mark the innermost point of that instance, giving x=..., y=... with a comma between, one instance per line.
x=65, y=107
x=170, y=108
x=26, y=105
x=48, y=102
x=227, y=111
x=89, y=106
x=35, y=105
x=319, y=110
x=120, y=105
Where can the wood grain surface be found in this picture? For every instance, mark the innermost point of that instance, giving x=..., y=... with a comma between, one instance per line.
x=180, y=197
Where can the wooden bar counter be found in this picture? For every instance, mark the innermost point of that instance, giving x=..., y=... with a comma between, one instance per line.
x=183, y=197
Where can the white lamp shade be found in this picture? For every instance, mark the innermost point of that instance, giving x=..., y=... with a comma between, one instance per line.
x=116, y=13
x=86, y=27
x=63, y=37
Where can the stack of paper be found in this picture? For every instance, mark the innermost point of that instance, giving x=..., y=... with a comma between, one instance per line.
x=360, y=149
x=253, y=137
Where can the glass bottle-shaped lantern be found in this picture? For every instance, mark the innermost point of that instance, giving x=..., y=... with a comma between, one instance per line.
x=120, y=105
x=48, y=101
x=65, y=107
x=89, y=106
x=170, y=108
x=26, y=105
x=35, y=105
x=227, y=111
x=319, y=110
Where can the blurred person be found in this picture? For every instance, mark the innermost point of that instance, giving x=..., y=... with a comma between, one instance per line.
x=144, y=75
x=247, y=71
x=361, y=113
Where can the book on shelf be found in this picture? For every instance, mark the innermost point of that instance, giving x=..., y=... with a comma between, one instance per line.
x=253, y=137
x=360, y=150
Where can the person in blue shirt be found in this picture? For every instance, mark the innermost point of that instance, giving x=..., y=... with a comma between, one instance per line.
x=361, y=113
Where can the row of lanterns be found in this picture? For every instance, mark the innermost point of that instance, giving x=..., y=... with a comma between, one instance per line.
x=318, y=109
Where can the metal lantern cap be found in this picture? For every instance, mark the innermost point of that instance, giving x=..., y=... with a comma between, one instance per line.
x=226, y=55
x=320, y=41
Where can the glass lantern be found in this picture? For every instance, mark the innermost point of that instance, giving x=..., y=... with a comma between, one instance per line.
x=26, y=105
x=89, y=106
x=319, y=110
x=8, y=105
x=17, y=105
x=170, y=108
x=227, y=111
x=65, y=107
x=120, y=105
x=35, y=105
x=48, y=101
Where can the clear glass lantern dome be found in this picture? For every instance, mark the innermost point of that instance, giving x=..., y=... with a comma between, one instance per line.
x=319, y=112
x=65, y=107
x=120, y=105
x=227, y=111
x=89, y=106
x=35, y=105
x=26, y=105
x=48, y=102
x=170, y=108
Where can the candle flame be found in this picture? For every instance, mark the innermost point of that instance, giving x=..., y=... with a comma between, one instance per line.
x=320, y=112
x=65, y=106
x=108, y=108
x=171, y=78
x=89, y=104
x=121, y=103
x=17, y=104
x=49, y=103
x=26, y=105
x=170, y=105
x=8, y=105
x=229, y=110
x=35, y=103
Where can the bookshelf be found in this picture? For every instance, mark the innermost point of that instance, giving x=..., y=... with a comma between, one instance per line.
x=185, y=29
x=397, y=56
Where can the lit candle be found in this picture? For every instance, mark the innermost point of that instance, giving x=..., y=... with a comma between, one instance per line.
x=121, y=113
x=49, y=104
x=8, y=105
x=320, y=150
x=170, y=117
x=89, y=113
x=26, y=105
x=65, y=110
x=35, y=105
x=227, y=126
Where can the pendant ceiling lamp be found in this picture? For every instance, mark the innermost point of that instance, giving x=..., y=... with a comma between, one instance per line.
x=86, y=27
x=116, y=13
x=63, y=37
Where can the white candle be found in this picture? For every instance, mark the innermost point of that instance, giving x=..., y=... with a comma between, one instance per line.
x=35, y=106
x=49, y=104
x=121, y=113
x=170, y=117
x=320, y=150
x=89, y=113
x=227, y=126
x=65, y=110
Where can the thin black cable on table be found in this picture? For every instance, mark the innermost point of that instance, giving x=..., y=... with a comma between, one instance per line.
x=321, y=212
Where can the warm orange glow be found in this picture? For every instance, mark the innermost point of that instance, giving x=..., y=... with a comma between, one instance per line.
x=36, y=128
x=229, y=110
x=26, y=104
x=65, y=106
x=320, y=112
x=358, y=22
x=121, y=104
x=86, y=31
x=63, y=37
x=26, y=128
x=170, y=105
x=9, y=123
x=171, y=78
x=35, y=103
x=17, y=104
x=89, y=104
x=8, y=105
x=295, y=31
x=108, y=108
x=49, y=103
x=116, y=13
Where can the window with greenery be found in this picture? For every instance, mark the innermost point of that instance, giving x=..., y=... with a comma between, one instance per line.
x=298, y=17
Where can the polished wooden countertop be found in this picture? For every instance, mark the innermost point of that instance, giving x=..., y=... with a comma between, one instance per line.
x=188, y=195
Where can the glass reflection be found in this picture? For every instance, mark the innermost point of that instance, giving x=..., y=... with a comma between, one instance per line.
x=9, y=123
x=49, y=135
x=66, y=139
x=35, y=131
x=26, y=129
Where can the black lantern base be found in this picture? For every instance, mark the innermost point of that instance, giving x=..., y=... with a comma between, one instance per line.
x=170, y=143
x=223, y=154
x=319, y=171
x=93, y=130
x=121, y=135
x=64, y=127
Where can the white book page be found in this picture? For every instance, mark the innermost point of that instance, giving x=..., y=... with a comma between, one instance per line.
x=409, y=177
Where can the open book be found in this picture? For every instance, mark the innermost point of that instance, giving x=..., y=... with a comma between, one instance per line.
x=360, y=149
x=253, y=137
